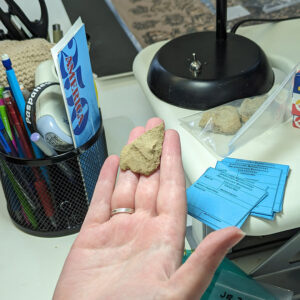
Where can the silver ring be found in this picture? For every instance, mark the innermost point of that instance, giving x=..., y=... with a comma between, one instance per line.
x=122, y=210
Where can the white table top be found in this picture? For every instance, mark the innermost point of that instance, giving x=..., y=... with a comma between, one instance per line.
x=279, y=145
x=30, y=266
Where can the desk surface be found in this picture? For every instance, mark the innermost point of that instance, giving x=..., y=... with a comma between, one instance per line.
x=29, y=265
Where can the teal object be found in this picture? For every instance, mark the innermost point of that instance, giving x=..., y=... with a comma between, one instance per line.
x=230, y=285
x=226, y=264
x=225, y=269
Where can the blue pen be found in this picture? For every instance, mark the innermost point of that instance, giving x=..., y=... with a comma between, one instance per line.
x=17, y=93
x=4, y=144
x=7, y=139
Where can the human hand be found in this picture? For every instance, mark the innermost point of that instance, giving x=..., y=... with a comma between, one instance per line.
x=138, y=256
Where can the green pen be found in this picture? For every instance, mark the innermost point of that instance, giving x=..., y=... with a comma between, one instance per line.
x=5, y=120
x=1, y=90
x=22, y=199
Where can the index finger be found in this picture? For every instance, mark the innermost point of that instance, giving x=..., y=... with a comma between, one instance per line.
x=171, y=198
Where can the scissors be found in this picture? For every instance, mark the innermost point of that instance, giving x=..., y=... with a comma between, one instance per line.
x=19, y=27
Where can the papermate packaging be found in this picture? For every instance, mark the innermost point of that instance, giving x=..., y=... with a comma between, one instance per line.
x=73, y=66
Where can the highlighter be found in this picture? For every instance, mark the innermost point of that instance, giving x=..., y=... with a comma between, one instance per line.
x=5, y=120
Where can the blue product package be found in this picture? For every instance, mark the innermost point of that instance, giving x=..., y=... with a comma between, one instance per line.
x=296, y=88
x=268, y=180
x=219, y=200
x=72, y=61
x=73, y=66
x=263, y=167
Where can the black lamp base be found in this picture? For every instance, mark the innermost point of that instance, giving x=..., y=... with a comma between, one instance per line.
x=199, y=71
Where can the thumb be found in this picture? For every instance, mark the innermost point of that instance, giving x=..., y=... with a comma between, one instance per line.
x=194, y=276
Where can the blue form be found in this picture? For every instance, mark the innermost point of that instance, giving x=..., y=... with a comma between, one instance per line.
x=219, y=200
x=263, y=167
x=268, y=181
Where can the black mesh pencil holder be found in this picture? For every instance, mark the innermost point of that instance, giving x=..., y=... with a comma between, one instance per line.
x=50, y=197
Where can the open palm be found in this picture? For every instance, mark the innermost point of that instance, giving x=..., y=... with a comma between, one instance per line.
x=138, y=256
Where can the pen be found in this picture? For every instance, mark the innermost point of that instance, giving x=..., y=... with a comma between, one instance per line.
x=49, y=151
x=20, y=196
x=25, y=216
x=7, y=139
x=39, y=184
x=6, y=122
x=1, y=90
x=40, y=142
x=21, y=130
x=17, y=93
x=4, y=146
x=18, y=142
x=20, y=179
x=13, y=115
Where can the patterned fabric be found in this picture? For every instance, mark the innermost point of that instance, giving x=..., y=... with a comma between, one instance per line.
x=25, y=57
x=150, y=21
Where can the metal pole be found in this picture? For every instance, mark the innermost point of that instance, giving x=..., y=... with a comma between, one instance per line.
x=221, y=19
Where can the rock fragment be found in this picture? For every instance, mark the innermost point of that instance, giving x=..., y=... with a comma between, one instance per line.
x=143, y=154
x=224, y=119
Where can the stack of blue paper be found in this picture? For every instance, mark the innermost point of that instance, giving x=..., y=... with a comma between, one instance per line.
x=236, y=188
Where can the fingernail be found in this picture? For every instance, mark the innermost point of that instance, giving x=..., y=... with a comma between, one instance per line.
x=241, y=235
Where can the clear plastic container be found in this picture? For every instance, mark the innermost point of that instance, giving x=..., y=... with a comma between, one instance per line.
x=272, y=110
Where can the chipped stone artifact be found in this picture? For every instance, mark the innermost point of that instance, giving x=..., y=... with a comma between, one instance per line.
x=223, y=119
x=250, y=106
x=143, y=154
